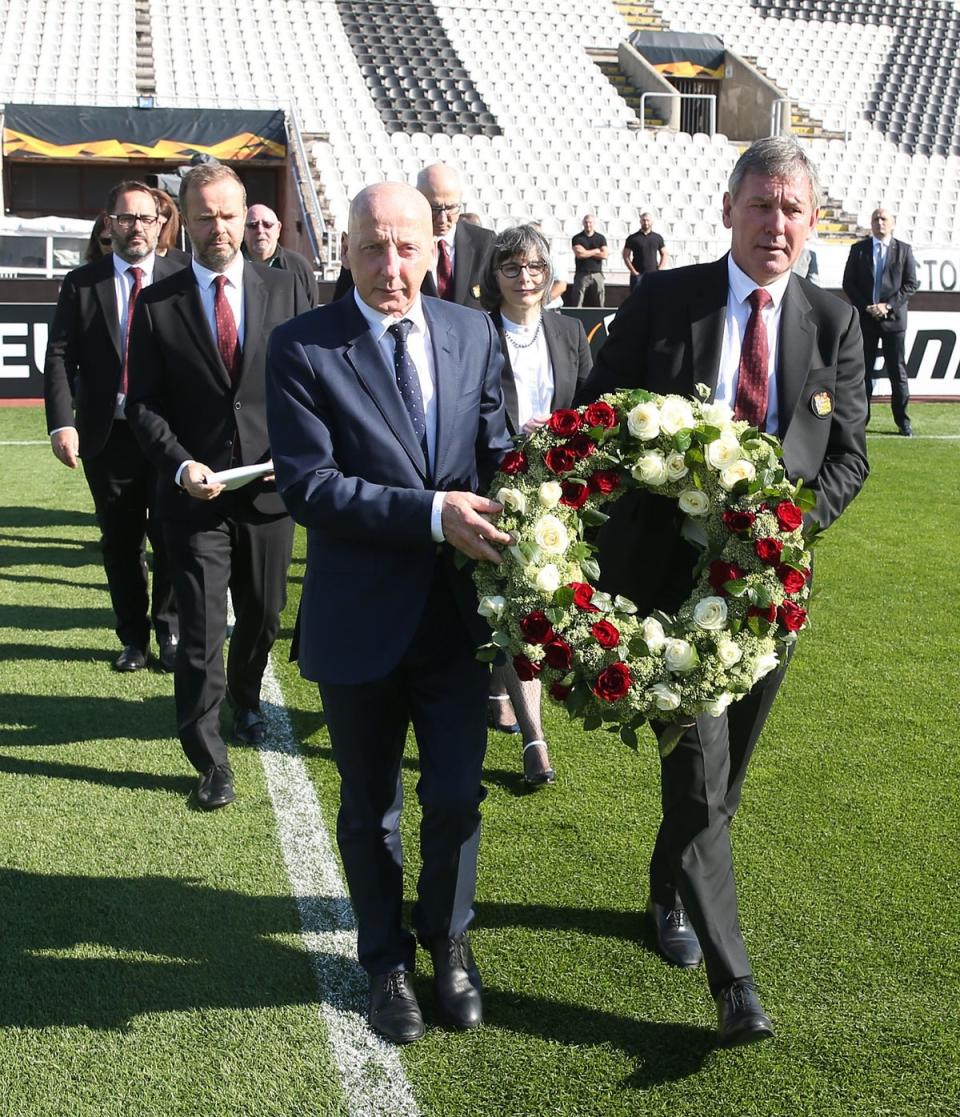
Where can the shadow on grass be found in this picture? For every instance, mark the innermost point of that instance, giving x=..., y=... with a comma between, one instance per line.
x=72, y=555
x=103, y=777
x=44, y=653
x=47, y=719
x=25, y=515
x=96, y=952
x=53, y=618
x=44, y=580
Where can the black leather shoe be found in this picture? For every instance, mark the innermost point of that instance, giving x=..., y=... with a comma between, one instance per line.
x=494, y=712
x=740, y=1016
x=216, y=787
x=906, y=430
x=130, y=659
x=168, y=653
x=392, y=1009
x=676, y=939
x=249, y=727
x=456, y=981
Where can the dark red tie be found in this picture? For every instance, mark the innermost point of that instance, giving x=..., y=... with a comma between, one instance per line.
x=227, y=340
x=751, y=403
x=444, y=271
x=137, y=274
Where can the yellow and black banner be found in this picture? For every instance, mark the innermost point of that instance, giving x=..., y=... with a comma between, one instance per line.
x=681, y=54
x=174, y=135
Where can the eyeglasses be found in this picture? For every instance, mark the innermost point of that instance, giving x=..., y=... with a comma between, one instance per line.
x=450, y=209
x=266, y=225
x=535, y=269
x=128, y=220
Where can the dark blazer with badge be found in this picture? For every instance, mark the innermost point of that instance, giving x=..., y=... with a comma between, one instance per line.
x=667, y=338
x=570, y=358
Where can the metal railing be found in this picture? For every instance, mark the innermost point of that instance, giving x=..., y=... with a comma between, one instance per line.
x=776, y=113
x=710, y=97
x=306, y=188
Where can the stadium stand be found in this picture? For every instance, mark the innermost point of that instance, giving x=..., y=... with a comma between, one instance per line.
x=512, y=94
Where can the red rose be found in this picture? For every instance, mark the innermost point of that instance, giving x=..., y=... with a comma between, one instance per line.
x=564, y=422
x=604, y=480
x=613, y=682
x=791, y=616
x=514, y=461
x=558, y=654
x=559, y=459
x=560, y=692
x=605, y=634
x=526, y=671
x=600, y=414
x=536, y=628
x=793, y=580
x=575, y=494
x=768, y=550
x=738, y=523
x=769, y=614
x=582, y=596
x=723, y=572
x=582, y=445
x=789, y=516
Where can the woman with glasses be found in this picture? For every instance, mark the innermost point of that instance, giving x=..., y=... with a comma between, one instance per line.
x=547, y=359
x=100, y=242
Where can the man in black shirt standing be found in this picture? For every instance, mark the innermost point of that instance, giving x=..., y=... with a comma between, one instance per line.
x=590, y=250
x=644, y=250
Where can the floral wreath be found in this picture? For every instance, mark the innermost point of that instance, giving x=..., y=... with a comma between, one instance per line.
x=605, y=663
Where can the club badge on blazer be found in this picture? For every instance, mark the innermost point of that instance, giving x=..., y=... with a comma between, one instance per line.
x=821, y=404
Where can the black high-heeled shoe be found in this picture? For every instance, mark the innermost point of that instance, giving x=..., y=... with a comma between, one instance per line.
x=533, y=774
x=492, y=719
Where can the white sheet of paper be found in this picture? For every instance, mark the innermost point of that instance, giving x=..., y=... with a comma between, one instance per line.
x=241, y=475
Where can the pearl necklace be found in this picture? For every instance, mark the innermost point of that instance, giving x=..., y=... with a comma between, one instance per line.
x=524, y=344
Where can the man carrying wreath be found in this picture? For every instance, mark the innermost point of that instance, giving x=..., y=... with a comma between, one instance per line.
x=786, y=357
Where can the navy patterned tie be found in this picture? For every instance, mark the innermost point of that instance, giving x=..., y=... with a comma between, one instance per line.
x=408, y=382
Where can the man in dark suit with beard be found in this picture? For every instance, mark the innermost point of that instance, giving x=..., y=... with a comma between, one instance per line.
x=787, y=357
x=196, y=404
x=386, y=418
x=84, y=387
x=879, y=278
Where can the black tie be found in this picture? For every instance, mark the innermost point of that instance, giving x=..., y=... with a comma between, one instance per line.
x=408, y=382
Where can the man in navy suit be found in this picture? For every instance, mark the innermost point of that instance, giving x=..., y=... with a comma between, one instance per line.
x=385, y=417
x=879, y=278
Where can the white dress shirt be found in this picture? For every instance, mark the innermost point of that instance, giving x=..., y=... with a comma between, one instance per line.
x=734, y=327
x=532, y=371
x=421, y=353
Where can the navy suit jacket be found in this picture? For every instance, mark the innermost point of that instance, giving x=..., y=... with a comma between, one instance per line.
x=350, y=469
x=667, y=337
x=897, y=284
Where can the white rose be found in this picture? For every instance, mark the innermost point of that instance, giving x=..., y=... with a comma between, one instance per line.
x=716, y=415
x=679, y=655
x=710, y=613
x=664, y=697
x=723, y=451
x=491, y=606
x=728, y=652
x=549, y=494
x=734, y=474
x=551, y=535
x=765, y=664
x=676, y=466
x=650, y=468
x=718, y=705
x=676, y=415
x=653, y=634
x=547, y=578
x=694, y=502
x=643, y=421
x=513, y=500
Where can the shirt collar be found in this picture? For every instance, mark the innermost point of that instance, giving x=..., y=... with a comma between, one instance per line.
x=742, y=286
x=121, y=266
x=448, y=236
x=234, y=273
x=380, y=322
x=885, y=243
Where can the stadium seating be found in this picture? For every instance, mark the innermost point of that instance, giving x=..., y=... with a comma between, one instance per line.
x=510, y=94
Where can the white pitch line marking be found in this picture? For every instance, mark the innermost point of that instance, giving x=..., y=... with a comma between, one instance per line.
x=372, y=1076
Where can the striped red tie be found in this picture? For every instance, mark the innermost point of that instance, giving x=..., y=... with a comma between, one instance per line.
x=751, y=402
x=227, y=341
